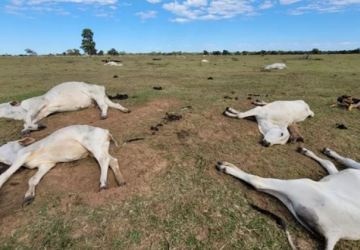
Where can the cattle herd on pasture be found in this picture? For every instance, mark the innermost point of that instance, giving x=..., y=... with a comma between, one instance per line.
x=328, y=207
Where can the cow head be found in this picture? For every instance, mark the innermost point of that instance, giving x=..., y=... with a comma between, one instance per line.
x=8, y=151
x=276, y=135
x=12, y=110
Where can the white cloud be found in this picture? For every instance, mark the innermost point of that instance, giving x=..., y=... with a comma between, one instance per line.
x=146, y=14
x=326, y=6
x=38, y=2
x=287, y=2
x=190, y=10
x=266, y=5
x=102, y=8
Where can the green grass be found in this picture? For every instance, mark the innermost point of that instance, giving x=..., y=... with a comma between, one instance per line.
x=189, y=205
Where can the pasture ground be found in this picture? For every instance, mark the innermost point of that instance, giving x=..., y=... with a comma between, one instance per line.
x=174, y=197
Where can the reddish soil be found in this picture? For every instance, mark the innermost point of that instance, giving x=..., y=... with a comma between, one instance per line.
x=138, y=162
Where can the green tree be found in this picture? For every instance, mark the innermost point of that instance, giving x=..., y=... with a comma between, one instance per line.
x=226, y=52
x=30, y=52
x=100, y=53
x=113, y=52
x=315, y=51
x=88, y=44
x=73, y=52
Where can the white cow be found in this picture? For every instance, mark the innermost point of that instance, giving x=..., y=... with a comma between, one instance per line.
x=112, y=63
x=275, y=66
x=64, y=145
x=274, y=119
x=329, y=207
x=68, y=96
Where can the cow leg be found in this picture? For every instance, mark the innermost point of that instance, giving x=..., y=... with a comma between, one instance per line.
x=331, y=242
x=326, y=164
x=100, y=100
x=13, y=168
x=115, y=168
x=116, y=105
x=347, y=162
x=34, y=181
x=32, y=117
x=262, y=184
x=234, y=113
x=103, y=161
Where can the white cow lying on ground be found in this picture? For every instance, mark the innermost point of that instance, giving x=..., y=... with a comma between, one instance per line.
x=274, y=119
x=275, y=66
x=68, y=96
x=112, y=63
x=329, y=207
x=64, y=145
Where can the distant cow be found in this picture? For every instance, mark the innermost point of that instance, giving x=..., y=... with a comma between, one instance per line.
x=274, y=119
x=64, y=145
x=112, y=63
x=329, y=207
x=68, y=96
x=275, y=66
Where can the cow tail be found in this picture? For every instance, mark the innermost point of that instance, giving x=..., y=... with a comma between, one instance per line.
x=113, y=140
x=278, y=221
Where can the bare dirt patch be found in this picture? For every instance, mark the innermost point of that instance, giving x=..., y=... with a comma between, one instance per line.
x=138, y=161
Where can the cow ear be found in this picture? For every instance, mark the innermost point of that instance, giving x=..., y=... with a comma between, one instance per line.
x=14, y=103
x=26, y=141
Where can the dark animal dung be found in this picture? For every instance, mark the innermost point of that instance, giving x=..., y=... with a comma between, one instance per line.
x=118, y=97
x=154, y=128
x=157, y=88
x=210, y=78
x=115, y=76
x=135, y=139
x=172, y=117
x=341, y=126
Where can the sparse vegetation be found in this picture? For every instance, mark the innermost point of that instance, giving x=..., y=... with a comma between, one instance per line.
x=174, y=198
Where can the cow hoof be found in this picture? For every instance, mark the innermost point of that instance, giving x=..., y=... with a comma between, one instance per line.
x=28, y=200
x=326, y=151
x=41, y=126
x=220, y=167
x=301, y=150
x=103, y=188
x=123, y=183
x=127, y=111
x=103, y=117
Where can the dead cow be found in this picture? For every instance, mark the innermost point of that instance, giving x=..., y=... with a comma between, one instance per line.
x=64, y=145
x=275, y=118
x=348, y=102
x=278, y=66
x=68, y=96
x=329, y=207
x=295, y=135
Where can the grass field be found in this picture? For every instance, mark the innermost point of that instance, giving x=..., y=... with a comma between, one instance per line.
x=174, y=197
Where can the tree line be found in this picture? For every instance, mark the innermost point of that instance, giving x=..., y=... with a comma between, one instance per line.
x=88, y=45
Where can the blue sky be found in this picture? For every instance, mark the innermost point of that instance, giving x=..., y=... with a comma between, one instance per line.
x=53, y=26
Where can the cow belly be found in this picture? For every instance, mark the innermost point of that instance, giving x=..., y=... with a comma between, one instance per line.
x=61, y=152
x=70, y=103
